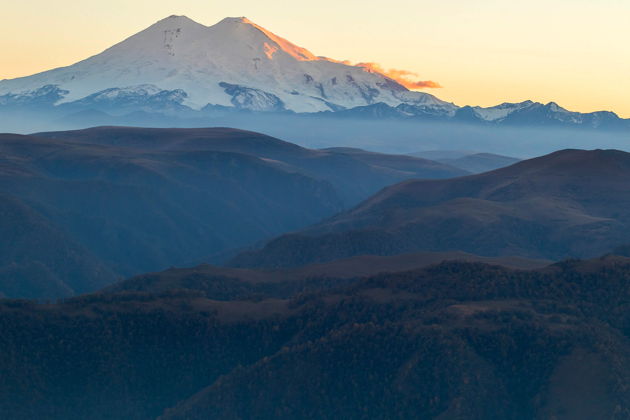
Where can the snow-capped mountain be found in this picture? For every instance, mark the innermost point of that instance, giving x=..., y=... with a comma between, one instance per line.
x=181, y=68
x=527, y=113
x=500, y=112
x=536, y=113
x=234, y=63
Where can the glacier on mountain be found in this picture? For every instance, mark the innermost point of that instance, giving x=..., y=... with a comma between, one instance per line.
x=208, y=63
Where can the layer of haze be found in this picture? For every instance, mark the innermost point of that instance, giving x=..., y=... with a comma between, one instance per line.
x=482, y=52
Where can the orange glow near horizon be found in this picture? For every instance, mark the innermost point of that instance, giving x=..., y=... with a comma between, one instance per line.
x=483, y=53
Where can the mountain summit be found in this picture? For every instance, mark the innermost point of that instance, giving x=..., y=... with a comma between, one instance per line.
x=234, y=63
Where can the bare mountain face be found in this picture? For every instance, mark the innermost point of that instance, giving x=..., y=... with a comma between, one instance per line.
x=572, y=203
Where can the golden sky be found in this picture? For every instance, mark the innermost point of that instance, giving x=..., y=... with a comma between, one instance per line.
x=483, y=52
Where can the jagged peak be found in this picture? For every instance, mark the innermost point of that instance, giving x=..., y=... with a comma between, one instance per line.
x=553, y=106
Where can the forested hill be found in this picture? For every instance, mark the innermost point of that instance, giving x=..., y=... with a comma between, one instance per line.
x=454, y=340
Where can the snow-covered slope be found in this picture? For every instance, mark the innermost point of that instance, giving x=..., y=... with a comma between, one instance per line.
x=536, y=113
x=499, y=112
x=233, y=63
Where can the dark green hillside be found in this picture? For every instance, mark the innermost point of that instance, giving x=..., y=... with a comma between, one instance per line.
x=454, y=340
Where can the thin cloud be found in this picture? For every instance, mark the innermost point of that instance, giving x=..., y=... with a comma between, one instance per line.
x=404, y=77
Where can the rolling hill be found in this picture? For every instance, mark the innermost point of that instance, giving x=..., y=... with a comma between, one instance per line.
x=140, y=211
x=571, y=203
x=355, y=176
x=88, y=207
x=477, y=163
x=226, y=283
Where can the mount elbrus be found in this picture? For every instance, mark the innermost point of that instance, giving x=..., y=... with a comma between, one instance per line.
x=178, y=62
x=180, y=67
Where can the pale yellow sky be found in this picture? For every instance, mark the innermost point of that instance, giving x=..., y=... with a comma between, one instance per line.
x=574, y=52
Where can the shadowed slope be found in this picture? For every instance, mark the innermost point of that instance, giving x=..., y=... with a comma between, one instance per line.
x=568, y=203
x=355, y=175
x=39, y=260
x=141, y=210
x=141, y=199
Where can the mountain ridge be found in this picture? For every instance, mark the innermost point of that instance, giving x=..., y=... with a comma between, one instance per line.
x=570, y=203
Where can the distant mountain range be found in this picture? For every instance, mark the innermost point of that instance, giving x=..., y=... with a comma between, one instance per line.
x=185, y=70
x=80, y=209
x=526, y=113
x=571, y=203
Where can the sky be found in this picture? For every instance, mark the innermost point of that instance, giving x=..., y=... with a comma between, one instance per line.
x=482, y=52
